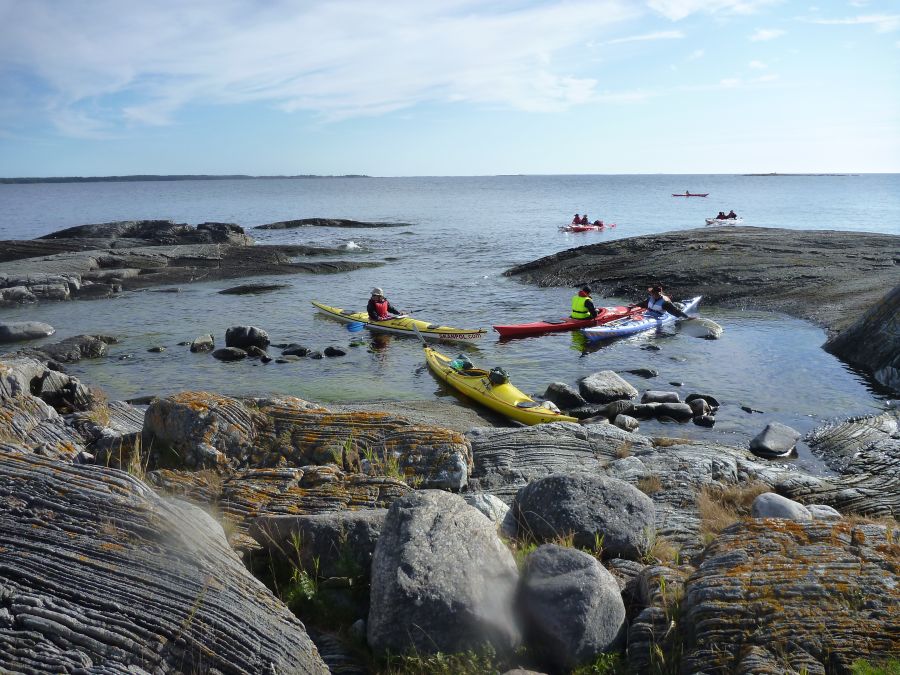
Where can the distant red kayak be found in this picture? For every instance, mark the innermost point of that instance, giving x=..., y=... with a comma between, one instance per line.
x=585, y=228
x=604, y=315
x=691, y=194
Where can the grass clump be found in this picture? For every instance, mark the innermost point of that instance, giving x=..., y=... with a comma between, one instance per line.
x=649, y=485
x=605, y=664
x=721, y=507
x=863, y=667
x=472, y=662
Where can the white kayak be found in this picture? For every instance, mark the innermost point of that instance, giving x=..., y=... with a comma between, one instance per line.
x=637, y=324
x=724, y=221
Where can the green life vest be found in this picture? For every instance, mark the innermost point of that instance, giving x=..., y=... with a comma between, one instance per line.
x=579, y=311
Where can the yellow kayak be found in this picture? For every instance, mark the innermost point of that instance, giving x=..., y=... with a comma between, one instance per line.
x=502, y=397
x=404, y=325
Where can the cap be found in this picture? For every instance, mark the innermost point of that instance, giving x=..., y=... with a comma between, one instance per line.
x=586, y=289
x=377, y=291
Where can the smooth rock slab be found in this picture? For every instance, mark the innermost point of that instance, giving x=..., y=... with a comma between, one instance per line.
x=17, y=331
x=571, y=607
x=442, y=581
x=100, y=574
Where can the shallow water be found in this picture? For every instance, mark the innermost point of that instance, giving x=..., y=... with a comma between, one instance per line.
x=447, y=266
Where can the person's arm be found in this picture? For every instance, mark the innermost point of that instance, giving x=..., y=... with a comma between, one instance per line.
x=370, y=308
x=393, y=310
x=589, y=306
x=671, y=308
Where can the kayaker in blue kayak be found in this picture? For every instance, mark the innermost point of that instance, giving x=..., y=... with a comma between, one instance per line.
x=659, y=304
x=583, y=305
x=379, y=308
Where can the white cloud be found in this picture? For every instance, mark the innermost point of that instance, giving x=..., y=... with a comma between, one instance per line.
x=679, y=9
x=766, y=34
x=884, y=23
x=757, y=65
x=660, y=35
x=105, y=65
x=696, y=54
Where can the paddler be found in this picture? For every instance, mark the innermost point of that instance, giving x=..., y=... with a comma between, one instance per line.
x=379, y=308
x=659, y=303
x=583, y=305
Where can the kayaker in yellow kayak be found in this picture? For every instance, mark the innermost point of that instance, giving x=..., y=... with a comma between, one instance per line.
x=379, y=307
x=583, y=305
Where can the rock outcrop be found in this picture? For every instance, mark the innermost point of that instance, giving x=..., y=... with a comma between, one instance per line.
x=872, y=342
x=781, y=596
x=326, y=222
x=100, y=573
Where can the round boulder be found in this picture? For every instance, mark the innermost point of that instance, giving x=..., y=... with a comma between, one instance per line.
x=564, y=396
x=442, y=581
x=229, y=354
x=605, y=386
x=772, y=505
x=776, y=440
x=246, y=336
x=204, y=343
x=626, y=422
x=660, y=397
x=589, y=507
x=571, y=607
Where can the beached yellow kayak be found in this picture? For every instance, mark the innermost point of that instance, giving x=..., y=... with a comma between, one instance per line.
x=502, y=397
x=404, y=325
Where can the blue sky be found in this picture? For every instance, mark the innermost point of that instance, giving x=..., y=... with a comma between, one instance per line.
x=448, y=87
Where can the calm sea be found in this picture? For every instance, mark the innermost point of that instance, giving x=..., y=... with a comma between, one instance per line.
x=447, y=266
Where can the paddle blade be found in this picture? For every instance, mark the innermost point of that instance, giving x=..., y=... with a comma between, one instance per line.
x=355, y=326
x=702, y=328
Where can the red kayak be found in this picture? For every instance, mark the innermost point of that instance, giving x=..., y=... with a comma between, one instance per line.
x=604, y=315
x=585, y=228
x=691, y=194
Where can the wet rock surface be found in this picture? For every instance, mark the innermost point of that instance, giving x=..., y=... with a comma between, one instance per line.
x=98, y=261
x=18, y=331
x=125, y=577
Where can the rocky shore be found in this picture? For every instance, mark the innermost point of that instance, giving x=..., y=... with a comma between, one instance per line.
x=100, y=260
x=205, y=533
x=828, y=277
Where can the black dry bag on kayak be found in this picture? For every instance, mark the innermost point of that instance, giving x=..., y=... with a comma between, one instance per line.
x=498, y=376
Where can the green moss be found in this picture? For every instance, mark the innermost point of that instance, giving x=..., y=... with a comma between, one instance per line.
x=863, y=667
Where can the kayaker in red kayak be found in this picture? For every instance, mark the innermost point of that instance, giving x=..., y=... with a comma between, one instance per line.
x=584, y=220
x=598, y=223
x=659, y=303
x=731, y=215
x=576, y=220
x=721, y=216
x=379, y=308
x=583, y=305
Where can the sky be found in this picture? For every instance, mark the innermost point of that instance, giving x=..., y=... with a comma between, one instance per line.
x=448, y=87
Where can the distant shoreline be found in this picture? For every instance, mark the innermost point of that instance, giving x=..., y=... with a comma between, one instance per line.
x=143, y=178
x=800, y=174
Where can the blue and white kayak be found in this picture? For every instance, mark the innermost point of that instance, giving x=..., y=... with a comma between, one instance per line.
x=637, y=324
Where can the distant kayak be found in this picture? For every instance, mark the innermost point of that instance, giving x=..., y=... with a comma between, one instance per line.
x=403, y=325
x=690, y=194
x=492, y=389
x=604, y=315
x=585, y=228
x=724, y=221
x=637, y=323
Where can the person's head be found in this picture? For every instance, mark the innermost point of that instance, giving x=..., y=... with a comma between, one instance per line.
x=585, y=291
x=655, y=290
x=377, y=293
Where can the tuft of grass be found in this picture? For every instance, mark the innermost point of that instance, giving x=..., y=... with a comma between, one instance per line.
x=473, y=662
x=384, y=465
x=604, y=664
x=721, y=507
x=623, y=450
x=667, y=442
x=137, y=461
x=649, y=485
x=863, y=667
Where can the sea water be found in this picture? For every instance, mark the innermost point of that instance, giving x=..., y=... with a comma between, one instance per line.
x=446, y=266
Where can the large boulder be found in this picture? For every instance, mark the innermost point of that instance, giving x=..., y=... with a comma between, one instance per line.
x=594, y=509
x=100, y=574
x=604, y=387
x=246, y=336
x=873, y=341
x=564, y=395
x=18, y=331
x=571, y=607
x=442, y=581
x=771, y=505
